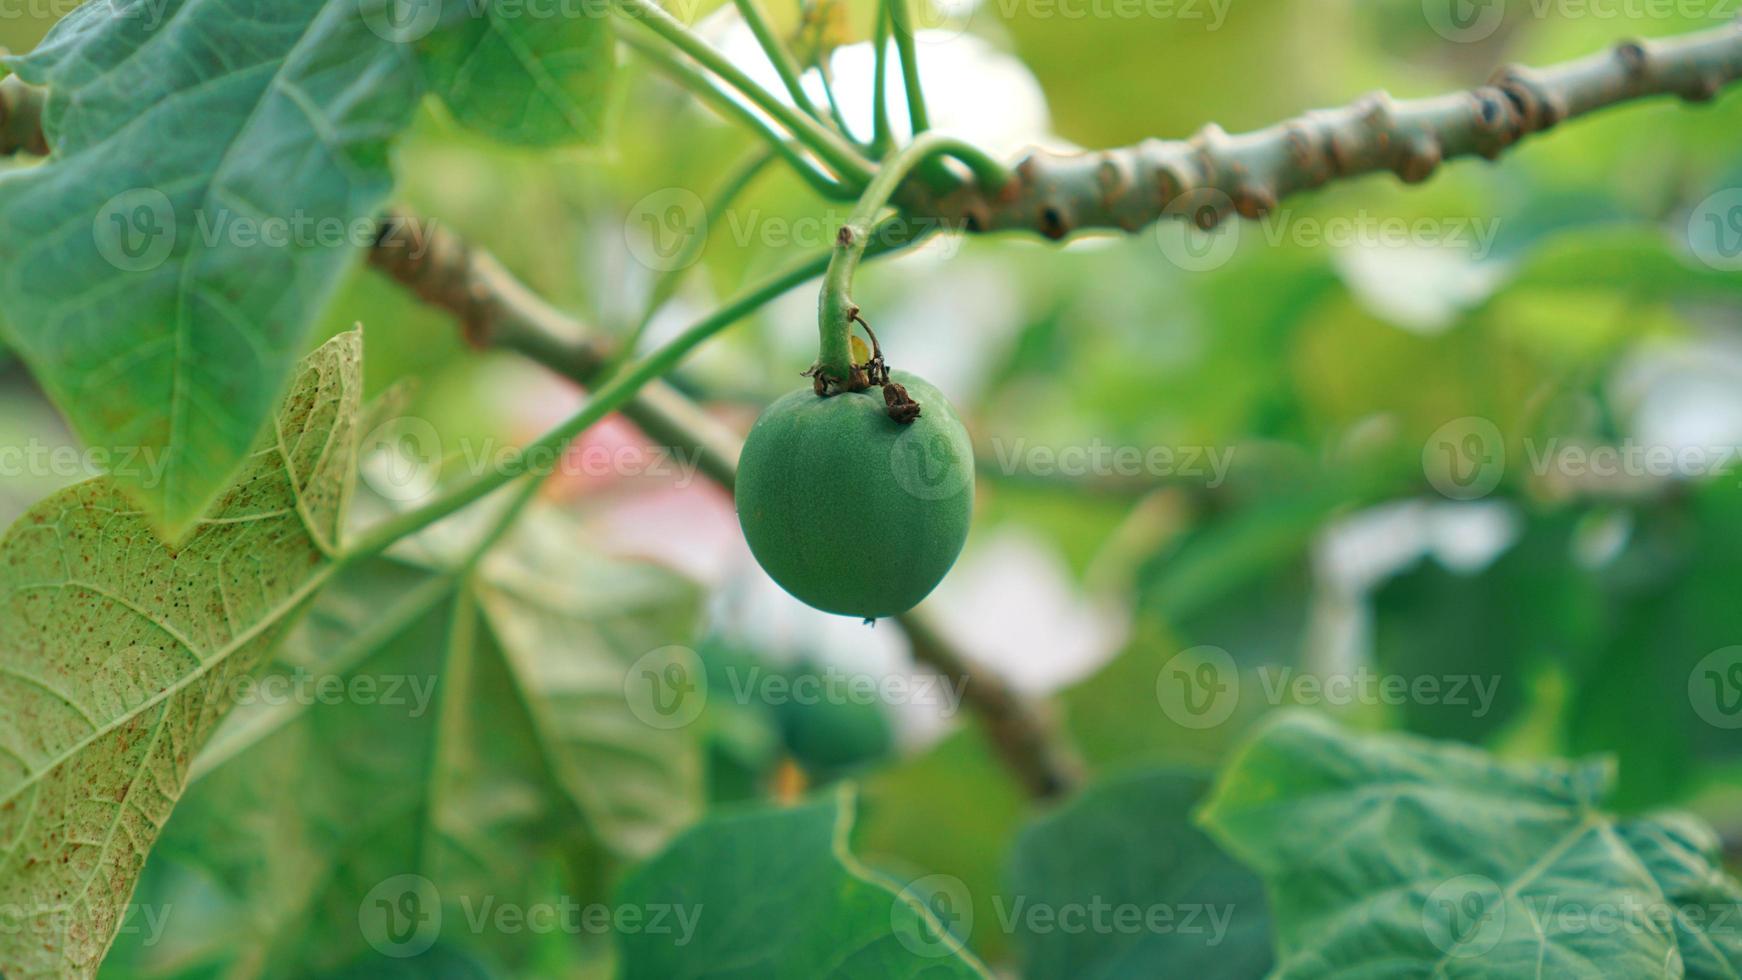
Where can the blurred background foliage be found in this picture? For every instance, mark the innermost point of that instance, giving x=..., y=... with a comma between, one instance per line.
x=1322, y=372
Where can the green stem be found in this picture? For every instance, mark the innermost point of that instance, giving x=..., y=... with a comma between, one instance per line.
x=778, y=56
x=828, y=77
x=903, y=28
x=882, y=134
x=524, y=495
x=605, y=399
x=734, y=110
x=829, y=146
x=835, y=307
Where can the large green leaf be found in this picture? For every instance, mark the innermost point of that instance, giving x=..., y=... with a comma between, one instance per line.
x=950, y=811
x=1662, y=681
x=773, y=893
x=480, y=744
x=525, y=73
x=1394, y=856
x=121, y=654
x=1120, y=883
x=1468, y=629
x=215, y=165
x=573, y=630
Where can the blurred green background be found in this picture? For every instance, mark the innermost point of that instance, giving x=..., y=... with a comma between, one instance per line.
x=1563, y=297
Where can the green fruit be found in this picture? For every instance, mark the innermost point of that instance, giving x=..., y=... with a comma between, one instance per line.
x=849, y=510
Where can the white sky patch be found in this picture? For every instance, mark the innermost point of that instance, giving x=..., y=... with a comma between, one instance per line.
x=1422, y=290
x=972, y=89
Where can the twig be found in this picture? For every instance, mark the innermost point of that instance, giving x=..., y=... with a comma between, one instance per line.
x=497, y=310
x=1212, y=174
x=21, y=118
x=778, y=56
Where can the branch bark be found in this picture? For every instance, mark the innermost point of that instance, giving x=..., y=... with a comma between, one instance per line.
x=496, y=310
x=21, y=118
x=1214, y=174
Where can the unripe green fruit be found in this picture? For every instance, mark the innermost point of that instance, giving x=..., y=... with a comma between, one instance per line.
x=849, y=510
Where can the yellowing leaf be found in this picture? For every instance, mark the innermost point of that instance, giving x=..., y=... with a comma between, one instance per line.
x=121, y=653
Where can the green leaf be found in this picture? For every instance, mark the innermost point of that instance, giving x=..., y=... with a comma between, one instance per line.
x=1120, y=883
x=160, y=271
x=1661, y=680
x=529, y=74
x=1424, y=628
x=951, y=811
x=1394, y=856
x=773, y=893
x=521, y=781
x=310, y=807
x=573, y=630
x=121, y=655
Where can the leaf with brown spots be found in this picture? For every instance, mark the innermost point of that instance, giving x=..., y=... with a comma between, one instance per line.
x=118, y=655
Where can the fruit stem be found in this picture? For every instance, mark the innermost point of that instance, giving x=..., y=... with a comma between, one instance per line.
x=835, y=308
